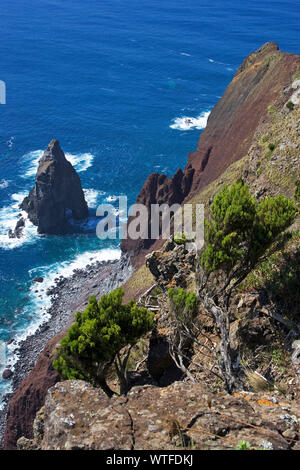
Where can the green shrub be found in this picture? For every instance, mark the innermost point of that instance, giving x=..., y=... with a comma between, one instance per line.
x=180, y=238
x=264, y=139
x=184, y=304
x=271, y=147
x=242, y=229
x=290, y=105
x=96, y=337
x=243, y=445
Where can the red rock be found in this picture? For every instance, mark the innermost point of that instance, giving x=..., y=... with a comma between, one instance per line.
x=30, y=396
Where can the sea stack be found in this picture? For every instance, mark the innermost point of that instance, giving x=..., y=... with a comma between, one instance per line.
x=57, y=193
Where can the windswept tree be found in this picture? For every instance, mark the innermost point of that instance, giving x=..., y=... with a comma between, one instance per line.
x=238, y=234
x=94, y=341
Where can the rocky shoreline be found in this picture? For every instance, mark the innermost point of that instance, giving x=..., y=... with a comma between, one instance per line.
x=67, y=296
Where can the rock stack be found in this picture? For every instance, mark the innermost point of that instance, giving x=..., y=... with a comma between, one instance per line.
x=57, y=193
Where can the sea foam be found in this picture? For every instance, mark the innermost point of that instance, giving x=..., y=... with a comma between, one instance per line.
x=80, y=161
x=186, y=123
x=9, y=215
x=4, y=184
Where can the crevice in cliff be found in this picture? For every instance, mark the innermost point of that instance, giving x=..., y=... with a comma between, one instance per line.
x=131, y=429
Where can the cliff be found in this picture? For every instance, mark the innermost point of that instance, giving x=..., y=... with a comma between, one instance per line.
x=251, y=118
x=77, y=416
x=57, y=193
x=259, y=83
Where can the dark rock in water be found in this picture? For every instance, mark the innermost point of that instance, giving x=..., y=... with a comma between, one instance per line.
x=57, y=192
x=38, y=279
x=18, y=231
x=7, y=374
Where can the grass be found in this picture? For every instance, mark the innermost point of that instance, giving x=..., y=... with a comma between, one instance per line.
x=257, y=382
x=296, y=75
x=272, y=110
x=138, y=283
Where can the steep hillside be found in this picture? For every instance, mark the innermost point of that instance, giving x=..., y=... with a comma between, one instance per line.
x=251, y=134
x=261, y=83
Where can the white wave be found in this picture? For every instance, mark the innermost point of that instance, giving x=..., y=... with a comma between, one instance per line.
x=9, y=216
x=217, y=62
x=92, y=197
x=184, y=53
x=32, y=160
x=111, y=198
x=186, y=123
x=40, y=302
x=4, y=184
x=80, y=161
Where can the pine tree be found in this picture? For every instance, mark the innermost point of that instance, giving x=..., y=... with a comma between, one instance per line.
x=94, y=341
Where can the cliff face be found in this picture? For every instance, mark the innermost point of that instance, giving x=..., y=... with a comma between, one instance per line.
x=181, y=416
x=57, y=190
x=258, y=84
x=224, y=141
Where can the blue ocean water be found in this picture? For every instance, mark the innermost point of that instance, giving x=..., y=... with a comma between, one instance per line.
x=111, y=80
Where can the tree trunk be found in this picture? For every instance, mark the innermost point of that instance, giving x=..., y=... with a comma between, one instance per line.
x=221, y=321
x=103, y=384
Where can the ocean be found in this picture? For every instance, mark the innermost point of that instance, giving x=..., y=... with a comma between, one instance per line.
x=113, y=81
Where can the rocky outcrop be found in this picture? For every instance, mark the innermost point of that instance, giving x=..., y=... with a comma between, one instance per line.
x=18, y=230
x=57, y=193
x=263, y=80
x=158, y=189
x=183, y=415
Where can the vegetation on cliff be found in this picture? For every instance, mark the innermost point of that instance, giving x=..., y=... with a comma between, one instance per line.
x=237, y=236
x=94, y=341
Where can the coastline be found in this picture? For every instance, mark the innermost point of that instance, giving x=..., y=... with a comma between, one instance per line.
x=68, y=295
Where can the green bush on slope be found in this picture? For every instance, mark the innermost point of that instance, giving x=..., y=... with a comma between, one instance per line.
x=94, y=341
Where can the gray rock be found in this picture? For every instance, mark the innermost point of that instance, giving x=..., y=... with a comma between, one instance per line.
x=296, y=352
x=7, y=374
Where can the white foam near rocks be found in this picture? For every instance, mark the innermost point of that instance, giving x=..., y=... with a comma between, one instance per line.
x=9, y=216
x=92, y=197
x=186, y=123
x=80, y=161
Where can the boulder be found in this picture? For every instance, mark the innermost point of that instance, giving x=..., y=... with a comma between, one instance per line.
x=18, y=230
x=7, y=374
